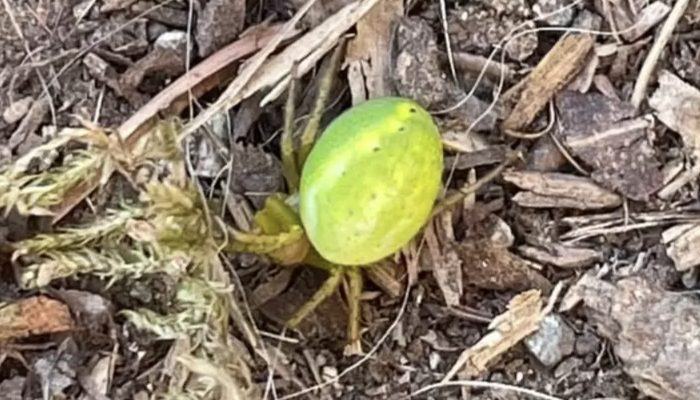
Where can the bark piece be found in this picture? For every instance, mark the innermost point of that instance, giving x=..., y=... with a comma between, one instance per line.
x=553, y=72
x=418, y=74
x=551, y=190
x=598, y=130
x=370, y=51
x=654, y=332
x=219, y=24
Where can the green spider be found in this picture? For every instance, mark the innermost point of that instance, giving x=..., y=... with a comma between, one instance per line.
x=358, y=194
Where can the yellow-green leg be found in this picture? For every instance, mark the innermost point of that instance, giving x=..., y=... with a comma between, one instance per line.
x=325, y=291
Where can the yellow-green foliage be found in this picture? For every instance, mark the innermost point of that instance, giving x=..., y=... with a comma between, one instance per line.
x=167, y=230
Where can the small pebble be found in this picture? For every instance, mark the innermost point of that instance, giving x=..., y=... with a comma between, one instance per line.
x=561, y=15
x=552, y=342
x=568, y=366
x=18, y=109
x=587, y=343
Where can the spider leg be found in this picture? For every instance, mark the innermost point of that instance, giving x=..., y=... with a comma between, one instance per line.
x=325, y=291
x=309, y=135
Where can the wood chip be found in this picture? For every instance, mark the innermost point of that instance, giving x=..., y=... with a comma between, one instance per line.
x=552, y=73
x=38, y=315
x=557, y=190
x=384, y=274
x=683, y=246
x=446, y=267
x=524, y=314
x=676, y=104
x=561, y=256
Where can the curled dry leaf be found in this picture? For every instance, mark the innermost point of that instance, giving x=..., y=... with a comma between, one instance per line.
x=17, y=109
x=489, y=264
x=654, y=332
x=166, y=59
x=446, y=266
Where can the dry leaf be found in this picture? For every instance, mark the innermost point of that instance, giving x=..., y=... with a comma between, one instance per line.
x=38, y=315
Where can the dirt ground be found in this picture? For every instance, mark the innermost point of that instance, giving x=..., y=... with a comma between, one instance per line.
x=568, y=271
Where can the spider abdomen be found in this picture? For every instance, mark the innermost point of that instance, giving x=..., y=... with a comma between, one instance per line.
x=371, y=180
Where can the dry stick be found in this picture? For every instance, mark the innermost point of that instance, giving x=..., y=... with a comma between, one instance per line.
x=502, y=77
x=138, y=124
x=232, y=93
x=308, y=136
x=640, y=86
x=448, y=44
x=485, y=385
x=30, y=54
x=312, y=46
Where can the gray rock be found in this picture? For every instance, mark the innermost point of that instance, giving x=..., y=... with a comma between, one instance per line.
x=567, y=367
x=562, y=16
x=552, y=342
